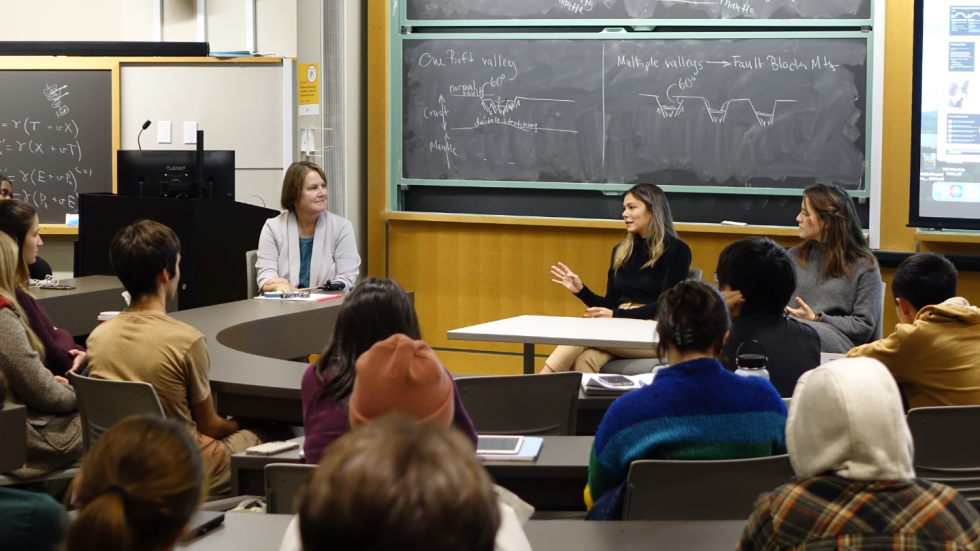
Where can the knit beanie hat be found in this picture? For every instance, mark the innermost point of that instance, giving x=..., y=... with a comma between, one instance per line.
x=401, y=375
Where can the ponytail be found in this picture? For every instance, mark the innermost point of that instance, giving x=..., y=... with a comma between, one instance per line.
x=101, y=525
x=139, y=486
x=692, y=316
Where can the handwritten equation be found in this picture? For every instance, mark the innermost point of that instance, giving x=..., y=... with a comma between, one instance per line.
x=43, y=153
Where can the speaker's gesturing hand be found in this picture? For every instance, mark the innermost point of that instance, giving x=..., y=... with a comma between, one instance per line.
x=566, y=278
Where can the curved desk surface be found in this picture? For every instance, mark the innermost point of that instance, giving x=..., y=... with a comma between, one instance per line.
x=251, y=343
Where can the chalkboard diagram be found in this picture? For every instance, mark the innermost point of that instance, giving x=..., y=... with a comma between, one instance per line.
x=56, y=137
x=433, y=10
x=767, y=112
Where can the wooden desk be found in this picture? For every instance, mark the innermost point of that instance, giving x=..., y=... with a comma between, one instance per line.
x=672, y=535
x=531, y=330
x=250, y=532
x=556, y=481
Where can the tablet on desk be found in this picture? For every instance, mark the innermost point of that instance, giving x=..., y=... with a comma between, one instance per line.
x=498, y=445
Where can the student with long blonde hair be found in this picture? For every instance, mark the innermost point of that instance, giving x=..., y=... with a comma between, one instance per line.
x=54, y=430
x=140, y=484
x=838, y=283
x=648, y=261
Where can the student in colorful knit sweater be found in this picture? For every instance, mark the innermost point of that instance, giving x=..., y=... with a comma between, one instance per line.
x=855, y=485
x=694, y=409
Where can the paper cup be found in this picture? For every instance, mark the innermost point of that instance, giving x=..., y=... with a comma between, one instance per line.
x=106, y=316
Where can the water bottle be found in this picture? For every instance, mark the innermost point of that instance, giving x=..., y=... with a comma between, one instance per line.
x=751, y=365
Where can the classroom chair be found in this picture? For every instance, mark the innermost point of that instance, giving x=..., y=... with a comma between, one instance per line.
x=529, y=405
x=252, y=273
x=694, y=273
x=282, y=482
x=701, y=490
x=104, y=403
x=880, y=322
x=13, y=434
x=947, y=447
x=13, y=451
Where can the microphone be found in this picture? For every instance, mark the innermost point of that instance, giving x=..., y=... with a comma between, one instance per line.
x=145, y=126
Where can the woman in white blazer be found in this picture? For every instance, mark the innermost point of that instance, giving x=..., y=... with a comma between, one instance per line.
x=306, y=246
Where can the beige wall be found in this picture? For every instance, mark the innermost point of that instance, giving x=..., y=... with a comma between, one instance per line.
x=132, y=20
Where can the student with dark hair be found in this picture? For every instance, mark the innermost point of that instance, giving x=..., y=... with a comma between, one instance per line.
x=61, y=354
x=838, y=283
x=694, y=409
x=398, y=485
x=649, y=260
x=140, y=484
x=144, y=344
x=306, y=245
x=407, y=489
x=39, y=268
x=54, y=429
x=375, y=310
x=855, y=487
x=934, y=353
x=757, y=279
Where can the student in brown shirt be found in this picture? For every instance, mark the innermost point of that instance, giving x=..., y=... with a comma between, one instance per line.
x=934, y=353
x=144, y=344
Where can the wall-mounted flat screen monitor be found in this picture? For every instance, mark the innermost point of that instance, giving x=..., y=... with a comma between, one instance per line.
x=945, y=176
x=172, y=174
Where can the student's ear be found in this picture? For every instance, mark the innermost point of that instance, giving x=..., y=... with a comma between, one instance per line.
x=164, y=276
x=906, y=312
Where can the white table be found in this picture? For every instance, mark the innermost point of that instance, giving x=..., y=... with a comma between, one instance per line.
x=531, y=330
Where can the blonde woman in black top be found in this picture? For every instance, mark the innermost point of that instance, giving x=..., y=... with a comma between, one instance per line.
x=648, y=261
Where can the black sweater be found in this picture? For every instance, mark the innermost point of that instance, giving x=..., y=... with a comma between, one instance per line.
x=792, y=347
x=632, y=284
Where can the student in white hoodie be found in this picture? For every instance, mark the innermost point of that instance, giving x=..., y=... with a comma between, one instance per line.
x=856, y=488
x=934, y=353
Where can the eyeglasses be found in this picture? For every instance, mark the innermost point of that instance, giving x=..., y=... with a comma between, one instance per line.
x=716, y=277
x=294, y=294
x=6, y=193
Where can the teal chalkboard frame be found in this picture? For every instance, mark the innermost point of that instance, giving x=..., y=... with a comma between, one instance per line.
x=404, y=21
x=397, y=181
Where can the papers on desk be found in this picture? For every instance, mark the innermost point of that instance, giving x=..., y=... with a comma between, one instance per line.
x=311, y=298
x=593, y=385
x=529, y=451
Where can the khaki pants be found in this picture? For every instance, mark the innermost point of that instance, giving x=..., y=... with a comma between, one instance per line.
x=591, y=360
x=217, y=453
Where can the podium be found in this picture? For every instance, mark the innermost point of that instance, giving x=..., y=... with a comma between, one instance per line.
x=214, y=236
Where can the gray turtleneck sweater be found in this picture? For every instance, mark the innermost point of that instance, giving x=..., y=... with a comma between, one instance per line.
x=850, y=304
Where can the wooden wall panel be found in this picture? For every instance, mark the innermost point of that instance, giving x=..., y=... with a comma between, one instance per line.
x=465, y=273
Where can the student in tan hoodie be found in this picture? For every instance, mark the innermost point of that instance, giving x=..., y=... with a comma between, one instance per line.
x=934, y=353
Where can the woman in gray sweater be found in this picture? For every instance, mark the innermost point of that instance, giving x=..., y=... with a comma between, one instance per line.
x=838, y=283
x=54, y=429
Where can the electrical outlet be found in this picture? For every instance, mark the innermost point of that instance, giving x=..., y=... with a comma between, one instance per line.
x=163, y=132
x=190, y=132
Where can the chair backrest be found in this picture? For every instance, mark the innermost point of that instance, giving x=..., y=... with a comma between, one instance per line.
x=282, y=482
x=947, y=447
x=104, y=403
x=13, y=437
x=252, y=273
x=701, y=490
x=694, y=273
x=786, y=401
x=880, y=321
x=531, y=405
